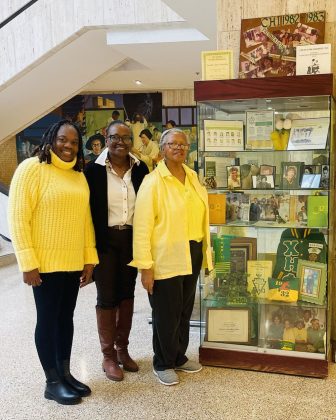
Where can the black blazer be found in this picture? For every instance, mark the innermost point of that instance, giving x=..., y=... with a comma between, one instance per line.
x=97, y=179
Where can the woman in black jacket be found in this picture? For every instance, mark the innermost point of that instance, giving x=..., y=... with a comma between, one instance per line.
x=114, y=179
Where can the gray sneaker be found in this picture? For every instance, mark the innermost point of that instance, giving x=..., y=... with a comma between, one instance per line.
x=167, y=377
x=190, y=367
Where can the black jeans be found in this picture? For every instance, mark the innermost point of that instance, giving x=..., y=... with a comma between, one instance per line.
x=55, y=301
x=115, y=280
x=172, y=303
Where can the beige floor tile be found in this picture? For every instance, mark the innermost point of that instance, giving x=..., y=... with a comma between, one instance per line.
x=213, y=393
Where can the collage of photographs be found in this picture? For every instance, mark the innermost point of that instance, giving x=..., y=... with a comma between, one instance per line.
x=269, y=50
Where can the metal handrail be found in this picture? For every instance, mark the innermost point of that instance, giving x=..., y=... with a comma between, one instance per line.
x=17, y=13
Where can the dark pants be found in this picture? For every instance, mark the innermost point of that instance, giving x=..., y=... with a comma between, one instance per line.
x=172, y=303
x=115, y=280
x=55, y=301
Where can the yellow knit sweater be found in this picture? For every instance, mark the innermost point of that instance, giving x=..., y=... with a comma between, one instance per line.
x=49, y=217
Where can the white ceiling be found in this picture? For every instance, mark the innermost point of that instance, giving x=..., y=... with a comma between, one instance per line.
x=165, y=56
x=162, y=55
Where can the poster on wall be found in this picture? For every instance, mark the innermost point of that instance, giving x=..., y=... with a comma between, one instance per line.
x=74, y=111
x=28, y=139
x=268, y=44
x=148, y=105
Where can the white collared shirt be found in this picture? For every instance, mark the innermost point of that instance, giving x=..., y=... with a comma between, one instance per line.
x=120, y=192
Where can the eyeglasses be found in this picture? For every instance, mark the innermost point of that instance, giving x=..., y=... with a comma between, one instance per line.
x=177, y=146
x=116, y=138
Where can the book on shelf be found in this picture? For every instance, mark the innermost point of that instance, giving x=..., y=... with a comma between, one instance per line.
x=317, y=211
x=298, y=210
x=237, y=207
x=222, y=250
x=217, y=208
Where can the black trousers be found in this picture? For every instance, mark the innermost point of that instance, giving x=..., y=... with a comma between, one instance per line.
x=115, y=280
x=172, y=303
x=55, y=301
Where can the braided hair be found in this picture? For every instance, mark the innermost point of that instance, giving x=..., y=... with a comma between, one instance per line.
x=48, y=139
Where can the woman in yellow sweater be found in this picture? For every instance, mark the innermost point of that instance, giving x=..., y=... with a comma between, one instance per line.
x=171, y=243
x=52, y=234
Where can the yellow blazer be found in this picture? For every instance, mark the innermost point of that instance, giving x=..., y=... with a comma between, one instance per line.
x=160, y=228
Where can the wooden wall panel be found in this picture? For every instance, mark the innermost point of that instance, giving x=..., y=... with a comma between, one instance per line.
x=181, y=97
x=8, y=160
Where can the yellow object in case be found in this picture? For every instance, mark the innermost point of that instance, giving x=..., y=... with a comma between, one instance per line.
x=286, y=290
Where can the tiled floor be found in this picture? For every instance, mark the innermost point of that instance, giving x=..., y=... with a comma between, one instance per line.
x=213, y=393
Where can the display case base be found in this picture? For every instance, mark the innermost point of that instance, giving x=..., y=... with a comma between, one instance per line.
x=263, y=362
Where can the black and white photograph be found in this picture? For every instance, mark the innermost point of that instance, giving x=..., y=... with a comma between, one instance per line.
x=263, y=182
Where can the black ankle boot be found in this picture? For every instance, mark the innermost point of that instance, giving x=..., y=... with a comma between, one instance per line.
x=58, y=390
x=63, y=369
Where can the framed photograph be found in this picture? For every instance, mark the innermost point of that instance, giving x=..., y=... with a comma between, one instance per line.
x=228, y=325
x=241, y=251
x=223, y=136
x=215, y=174
x=263, y=182
x=267, y=170
x=324, y=177
x=311, y=169
x=313, y=277
x=233, y=177
x=294, y=327
x=290, y=175
x=310, y=181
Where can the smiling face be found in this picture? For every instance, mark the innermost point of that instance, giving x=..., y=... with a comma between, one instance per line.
x=175, y=156
x=120, y=146
x=65, y=145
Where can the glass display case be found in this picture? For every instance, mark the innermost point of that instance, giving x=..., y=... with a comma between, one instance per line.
x=265, y=154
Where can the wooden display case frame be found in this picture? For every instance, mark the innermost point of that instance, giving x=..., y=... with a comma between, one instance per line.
x=241, y=89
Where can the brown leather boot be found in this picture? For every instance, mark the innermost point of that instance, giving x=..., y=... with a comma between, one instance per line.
x=106, y=322
x=124, y=324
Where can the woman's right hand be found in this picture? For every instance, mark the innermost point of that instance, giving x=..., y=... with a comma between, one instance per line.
x=147, y=279
x=32, y=278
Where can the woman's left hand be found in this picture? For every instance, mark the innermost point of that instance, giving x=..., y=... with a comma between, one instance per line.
x=86, y=276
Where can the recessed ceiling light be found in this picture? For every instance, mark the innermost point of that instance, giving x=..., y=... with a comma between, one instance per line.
x=138, y=82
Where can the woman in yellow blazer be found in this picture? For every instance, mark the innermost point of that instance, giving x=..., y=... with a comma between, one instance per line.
x=171, y=244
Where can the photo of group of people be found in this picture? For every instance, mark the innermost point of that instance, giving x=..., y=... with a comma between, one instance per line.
x=269, y=49
x=295, y=328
